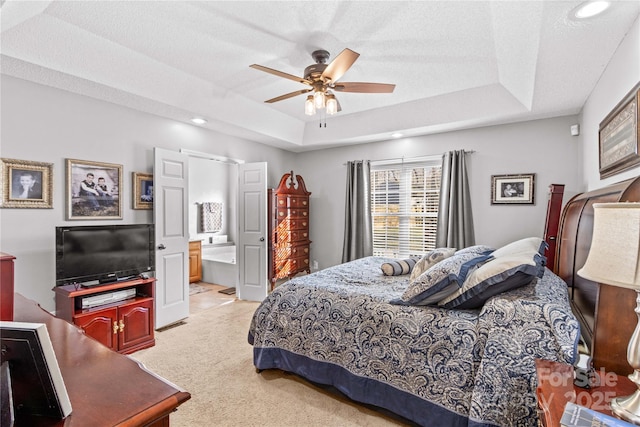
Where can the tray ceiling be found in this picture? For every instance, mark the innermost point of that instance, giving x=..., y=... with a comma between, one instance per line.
x=456, y=64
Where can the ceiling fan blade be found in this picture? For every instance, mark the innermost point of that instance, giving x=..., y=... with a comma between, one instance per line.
x=340, y=65
x=287, y=96
x=364, y=87
x=281, y=74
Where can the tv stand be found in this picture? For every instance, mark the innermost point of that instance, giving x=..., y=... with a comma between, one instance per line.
x=124, y=326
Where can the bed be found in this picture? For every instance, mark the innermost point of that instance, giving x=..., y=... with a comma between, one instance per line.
x=348, y=327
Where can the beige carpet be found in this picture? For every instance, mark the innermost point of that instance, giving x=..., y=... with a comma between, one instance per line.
x=209, y=357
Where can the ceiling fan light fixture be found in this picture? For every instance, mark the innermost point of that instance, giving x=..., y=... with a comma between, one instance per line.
x=319, y=99
x=309, y=106
x=321, y=79
x=332, y=104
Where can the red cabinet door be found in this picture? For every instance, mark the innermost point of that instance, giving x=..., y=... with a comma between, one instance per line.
x=101, y=325
x=135, y=325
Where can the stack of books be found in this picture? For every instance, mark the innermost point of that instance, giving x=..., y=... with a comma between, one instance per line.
x=580, y=416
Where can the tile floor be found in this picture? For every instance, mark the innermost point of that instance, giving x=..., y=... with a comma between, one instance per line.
x=209, y=299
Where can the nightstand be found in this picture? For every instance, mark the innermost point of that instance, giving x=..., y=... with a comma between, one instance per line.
x=555, y=389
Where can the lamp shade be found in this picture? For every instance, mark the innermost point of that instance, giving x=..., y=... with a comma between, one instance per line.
x=615, y=247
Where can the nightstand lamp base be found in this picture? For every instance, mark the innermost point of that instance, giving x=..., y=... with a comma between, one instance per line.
x=628, y=407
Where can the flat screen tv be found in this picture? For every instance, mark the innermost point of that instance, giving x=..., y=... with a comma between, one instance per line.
x=96, y=254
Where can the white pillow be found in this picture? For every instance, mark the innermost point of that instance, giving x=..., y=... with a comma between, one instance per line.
x=535, y=244
x=430, y=259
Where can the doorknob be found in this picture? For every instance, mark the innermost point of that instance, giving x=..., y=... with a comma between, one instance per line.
x=262, y=239
x=161, y=246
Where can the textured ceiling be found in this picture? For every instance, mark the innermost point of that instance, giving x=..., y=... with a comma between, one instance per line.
x=456, y=64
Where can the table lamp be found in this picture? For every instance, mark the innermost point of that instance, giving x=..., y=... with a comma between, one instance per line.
x=613, y=260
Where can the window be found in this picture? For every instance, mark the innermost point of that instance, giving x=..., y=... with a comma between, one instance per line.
x=404, y=206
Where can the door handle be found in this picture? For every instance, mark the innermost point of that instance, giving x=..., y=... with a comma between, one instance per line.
x=161, y=246
x=262, y=239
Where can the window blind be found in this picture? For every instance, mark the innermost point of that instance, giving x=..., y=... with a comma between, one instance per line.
x=404, y=204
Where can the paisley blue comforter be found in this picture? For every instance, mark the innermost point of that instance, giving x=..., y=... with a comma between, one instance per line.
x=434, y=366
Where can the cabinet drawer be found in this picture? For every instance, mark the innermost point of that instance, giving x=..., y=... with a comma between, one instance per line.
x=283, y=252
x=291, y=266
x=293, y=224
x=286, y=201
x=291, y=236
x=292, y=213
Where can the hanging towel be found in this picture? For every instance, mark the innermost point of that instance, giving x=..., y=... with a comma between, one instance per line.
x=211, y=216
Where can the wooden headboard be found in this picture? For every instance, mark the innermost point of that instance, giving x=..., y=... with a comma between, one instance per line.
x=606, y=313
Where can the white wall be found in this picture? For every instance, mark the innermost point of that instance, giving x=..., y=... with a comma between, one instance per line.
x=620, y=76
x=211, y=181
x=49, y=125
x=543, y=147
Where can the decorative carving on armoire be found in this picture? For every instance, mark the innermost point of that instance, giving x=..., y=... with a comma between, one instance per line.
x=289, y=242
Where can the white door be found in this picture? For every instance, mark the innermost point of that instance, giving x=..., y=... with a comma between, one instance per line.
x=252, y=232
x=170, y=214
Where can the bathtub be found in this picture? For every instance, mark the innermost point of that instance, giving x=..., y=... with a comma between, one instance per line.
x=219, y=265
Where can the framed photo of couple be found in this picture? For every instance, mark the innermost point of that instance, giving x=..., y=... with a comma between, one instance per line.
x=512, y=189
x=26, y=184
x=93, y=190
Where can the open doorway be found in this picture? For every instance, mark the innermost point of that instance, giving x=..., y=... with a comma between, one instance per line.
x=213, y=217
x=234, y=252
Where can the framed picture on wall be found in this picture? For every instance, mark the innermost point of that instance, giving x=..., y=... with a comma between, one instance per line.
x=93, y=190
x=142, y=190
x=618, y=136
x=26, y=184
x=512, y=189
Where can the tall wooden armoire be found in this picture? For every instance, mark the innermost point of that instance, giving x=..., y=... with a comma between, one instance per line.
x=554, y=207
x=289, y=228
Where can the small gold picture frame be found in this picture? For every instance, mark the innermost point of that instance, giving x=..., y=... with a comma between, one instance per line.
x=94, y=190
x=142, y=190
x=26, y=184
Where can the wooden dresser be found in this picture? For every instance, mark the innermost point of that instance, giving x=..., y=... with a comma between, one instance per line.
x=106, y=388
x=288, y=228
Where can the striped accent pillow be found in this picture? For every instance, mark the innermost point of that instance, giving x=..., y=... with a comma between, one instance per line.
x=398, y=267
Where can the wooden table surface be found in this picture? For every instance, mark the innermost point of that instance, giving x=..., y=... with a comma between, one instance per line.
x=105, y=388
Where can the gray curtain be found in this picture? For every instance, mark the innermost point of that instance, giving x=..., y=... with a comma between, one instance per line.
x=455, y=220
x=358, y=235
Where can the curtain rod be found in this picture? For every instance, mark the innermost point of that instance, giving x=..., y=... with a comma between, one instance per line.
x=410, y=159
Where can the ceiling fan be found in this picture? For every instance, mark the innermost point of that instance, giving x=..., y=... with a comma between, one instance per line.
x=322, y=79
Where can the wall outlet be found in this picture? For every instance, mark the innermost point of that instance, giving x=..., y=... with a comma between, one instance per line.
x=314, y=265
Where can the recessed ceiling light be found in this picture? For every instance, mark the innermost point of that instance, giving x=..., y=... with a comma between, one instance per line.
x=590, y=9
x=396, y=135
x=199, y=120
